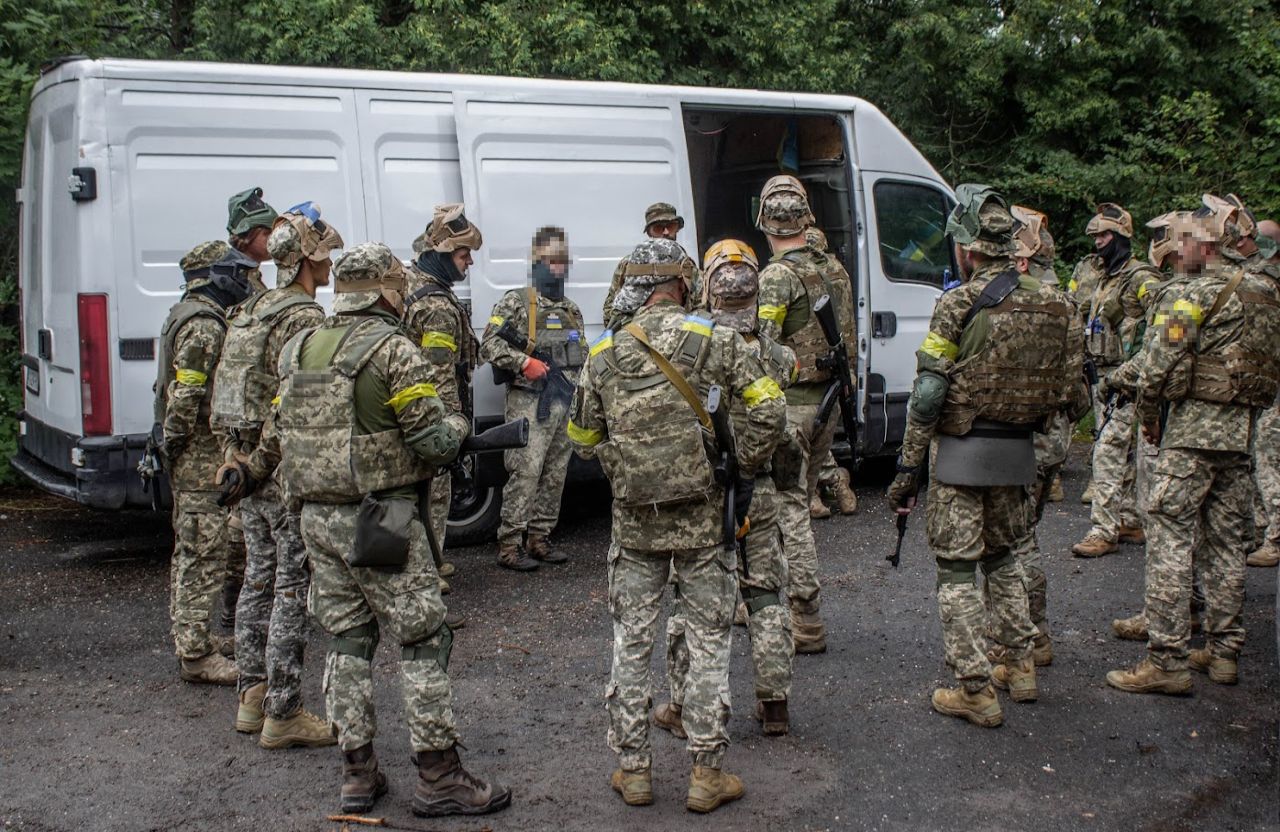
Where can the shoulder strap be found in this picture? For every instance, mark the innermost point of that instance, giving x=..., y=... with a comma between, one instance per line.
x=993, y=294
x=288, y=302
x=1221, y=299
x=365, y=337
x=793, y=256
x=532, y=295
x=432, y=288
x=672, y=374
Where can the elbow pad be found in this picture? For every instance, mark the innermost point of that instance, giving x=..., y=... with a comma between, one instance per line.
x=927, y=397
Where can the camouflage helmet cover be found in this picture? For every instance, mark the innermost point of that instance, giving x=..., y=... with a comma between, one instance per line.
x=733, y=276
x=655, y=261
x=662, y=212
x=299, y=234
x=365, y=274
x=814, y=238
x=449, y=231
x=1110, y=217
x=247, y=210
x=784, y=207
x=980, y=221
x=202, y=256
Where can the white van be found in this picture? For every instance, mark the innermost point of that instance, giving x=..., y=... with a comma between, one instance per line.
x=128, y=164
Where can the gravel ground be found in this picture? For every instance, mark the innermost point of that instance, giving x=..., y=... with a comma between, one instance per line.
x=97, y=732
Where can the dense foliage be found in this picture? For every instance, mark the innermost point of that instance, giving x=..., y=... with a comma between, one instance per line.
x=1062, y=103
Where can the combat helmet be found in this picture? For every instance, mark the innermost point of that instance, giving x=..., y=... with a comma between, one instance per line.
x=1237, y=227
x=247, y=210
x=365, y=274
x=980, y=221
x=733, y=281
x=219, y=270
x=1165, y=232
x=300, y=234
x=1110, y=217
x=655, y=261
x=448, y=231
x=784, y=207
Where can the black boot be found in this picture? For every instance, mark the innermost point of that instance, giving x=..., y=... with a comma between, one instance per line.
x=446, y=788
x=362, y=783
x=230, y=595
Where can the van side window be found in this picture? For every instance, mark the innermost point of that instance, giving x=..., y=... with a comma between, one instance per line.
x=911, y=220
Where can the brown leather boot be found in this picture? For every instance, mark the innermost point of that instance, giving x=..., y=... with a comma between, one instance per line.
x=1145, y=677
x=249, y=714
x=980, y=708
x=540, y=549
x=512, y=556
x=711, y=788
x=1042, y=650
x=1055, y=491
x=668, y=717
x=1133, y=628
x=213, y=669
x=226, y=645
x=1131, y=534
x=362, y=783
x=1094, y=545
x=302, y=728
x=773, y=717
x=636, y=787
x=846, y=500
x=446, y=788
x=817, y=509
x=1019, y=678
x=1265, y=557
x=1223, y=670
x=807, y=630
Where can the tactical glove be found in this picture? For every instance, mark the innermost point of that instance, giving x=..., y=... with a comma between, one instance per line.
x=744, y=489
x=903, y=487
x=236, y=482
x=534, y=369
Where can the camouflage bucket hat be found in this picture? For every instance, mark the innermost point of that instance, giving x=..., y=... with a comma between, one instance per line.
x=1110, y=217
x=652, y=263
x=784, y=207
x=199, y=259
x=549, y=245
x=981, y=221
x=300, y=234
x=661, y=212
x=449, y=231
x=247, y=210
x=814, y=238
x=363, y=273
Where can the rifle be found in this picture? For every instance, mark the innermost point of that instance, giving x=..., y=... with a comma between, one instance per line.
x=513, y=434
x=902, y=518
x=726, y=473
x=1091, y=379
x=842, y=390
x=557, y=384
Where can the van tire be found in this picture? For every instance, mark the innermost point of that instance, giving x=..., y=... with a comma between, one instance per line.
x=476, y=520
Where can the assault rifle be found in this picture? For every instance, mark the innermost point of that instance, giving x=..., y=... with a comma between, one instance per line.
x=902, y=518
x=513, y=434
x=842, y=390
x=557, y=384
x=726, y=472
x=1091, y=379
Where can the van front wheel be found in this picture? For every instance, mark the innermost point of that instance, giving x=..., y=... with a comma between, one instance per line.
x=475, y=519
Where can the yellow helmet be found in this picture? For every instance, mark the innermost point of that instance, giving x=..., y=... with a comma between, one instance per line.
x=728, y=251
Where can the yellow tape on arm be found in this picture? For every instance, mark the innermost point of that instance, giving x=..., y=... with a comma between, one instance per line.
x=496, y=320
x=439, y=339
x=584, y=436
x=777, y=314
x=401, y=400
x=192, y=378
x=761, y=390
x=938, y=347
x=1192, y=310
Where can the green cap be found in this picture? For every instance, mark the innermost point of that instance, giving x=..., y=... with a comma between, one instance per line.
x=247, y=210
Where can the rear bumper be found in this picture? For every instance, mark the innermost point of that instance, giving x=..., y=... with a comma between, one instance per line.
x=107, y=473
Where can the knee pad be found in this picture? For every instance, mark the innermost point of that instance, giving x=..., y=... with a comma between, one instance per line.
x=957, y=572
x=992, y=564
x=360, y=642
x=421, y=650
x=758, y=599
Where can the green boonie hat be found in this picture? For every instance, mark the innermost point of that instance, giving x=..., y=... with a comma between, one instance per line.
x=247, y=210
x=203, y=256
x=661, y=212
x=981, y=220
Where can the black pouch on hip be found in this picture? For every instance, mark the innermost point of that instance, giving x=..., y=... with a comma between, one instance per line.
x=383, y=529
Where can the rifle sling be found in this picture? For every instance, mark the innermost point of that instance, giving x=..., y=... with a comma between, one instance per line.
x=993, y=294
x=673, y=375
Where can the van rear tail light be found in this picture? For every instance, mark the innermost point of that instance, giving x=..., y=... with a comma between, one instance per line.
x=95, y=366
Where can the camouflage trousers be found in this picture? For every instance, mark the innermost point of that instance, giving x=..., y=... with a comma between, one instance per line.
x=828, y=473
x=793, y=513
x=763, y=586
x=1114, y=471
x=536, y=472
x=1266, y=473
x=1201, y=518
x=440, y=497
x=197, y=569
x=271, y=613
x=237, y=551
x=706, y=579
x=970, y=527
x=354, y=605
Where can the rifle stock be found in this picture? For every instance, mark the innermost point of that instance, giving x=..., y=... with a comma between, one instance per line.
x=838, y=361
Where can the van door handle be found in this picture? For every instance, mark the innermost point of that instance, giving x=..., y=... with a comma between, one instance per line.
x=884, y=324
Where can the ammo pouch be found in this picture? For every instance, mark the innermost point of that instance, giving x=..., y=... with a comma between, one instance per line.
x=991, y=453
x=383, y=529
x=788, y=459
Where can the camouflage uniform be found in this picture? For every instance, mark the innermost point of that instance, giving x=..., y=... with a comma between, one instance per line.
x=657, y=212
x=613, y=423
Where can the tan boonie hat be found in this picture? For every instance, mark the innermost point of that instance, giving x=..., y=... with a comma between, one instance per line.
x=661, y=212
x=449, y=231
x=784, y=207
x=549, y=245
x=361, y=274
x=1110, y=217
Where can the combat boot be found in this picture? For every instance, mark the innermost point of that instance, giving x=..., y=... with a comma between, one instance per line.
x=740, y=614
x=636, y=787
x=230, y=595
x=303, y=728
x=445, y=589
x=446, y=788
x=512, y=556
x=226, y=645
x=1019, y=678
x=807, y=630
x=1056, y=494
x=249, y=715
x=817, y=509
x=773, y=717
x=846, y=500
x=1268, y=555
x=540, y=549
x=454, y=620
x=711, y=788
x=362, y=783
x=1087, y=496
x=1221, y=669
x=1131, y=534
x=1042, y=650
x=213, y=669
x=446, y=570
x=1145, y=677
x=981, y=708
x=667, y=716
x=1133, y=628
x=1094, y=545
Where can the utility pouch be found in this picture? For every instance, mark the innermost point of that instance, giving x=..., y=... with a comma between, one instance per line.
x=788, y=460
x=383, y=529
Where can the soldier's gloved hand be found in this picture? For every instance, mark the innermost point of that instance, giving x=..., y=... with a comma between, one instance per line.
x=534, y=369
x=236, y=482
x=743, y=490
x=1105, y=387
x=440, y=443
x=903, y=488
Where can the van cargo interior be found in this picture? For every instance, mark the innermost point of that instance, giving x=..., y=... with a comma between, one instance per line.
x=733, y=153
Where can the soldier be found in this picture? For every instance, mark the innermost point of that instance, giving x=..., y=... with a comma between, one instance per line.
x=359, y=419
x=733, y=282
x=661, y=222
x=441, y=325
x=639, y=410
x=790, y=285
x=548, y=322
x=1266, y=443
x=833, y=479
x=996, y=361
x=1213, y=364
x=190, y=344
x=1033, y=256
x=1106, y=286
x=271, y=616
x=249, y=222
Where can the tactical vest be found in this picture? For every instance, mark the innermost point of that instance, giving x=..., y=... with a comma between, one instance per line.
x=800, y=329
x=1245, y=371
x=552, y=329
x=658, y=452
x=246, y=381
x=468, y=349
x=182, y=312
x=1018, y=375
x=324, y=459
x=1103, y=341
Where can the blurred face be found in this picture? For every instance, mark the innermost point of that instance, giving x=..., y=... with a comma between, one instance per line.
x=1195, y=254
x=462, y=260
x=665, y=229
x=1101, y=241
x=559, y=268
x=255, y=245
